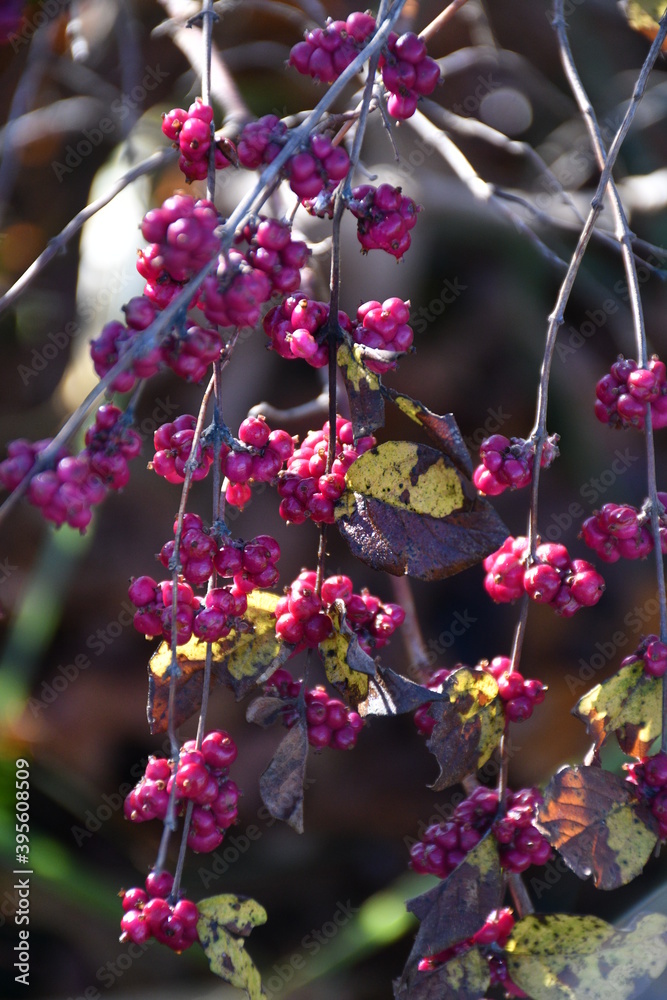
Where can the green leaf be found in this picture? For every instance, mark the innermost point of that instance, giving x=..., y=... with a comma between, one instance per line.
x=281, y=785
x=347, y=666
x=563, y=957
x=223, y=923
x=406, y=509
x=363, y=391
x=592, y=819
x=240, y=661
x=469, y=725
x=628, y=704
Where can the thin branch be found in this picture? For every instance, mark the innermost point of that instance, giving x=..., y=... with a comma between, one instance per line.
x=313, y=408
x=59, y=242
x=418, y=656
x=441, y=20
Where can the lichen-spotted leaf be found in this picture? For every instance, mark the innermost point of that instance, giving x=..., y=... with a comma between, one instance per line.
x=464, y=977
x=224, y=922
x=564, y=957
x=363, y=391
x=592, y=819
x=628, y=704
x=407, y=509
x=454, y=909
x=442, y=429
x=469, y=725
x=239, y=661
x=347, y=666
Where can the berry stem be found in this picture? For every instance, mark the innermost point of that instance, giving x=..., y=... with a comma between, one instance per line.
x=441, y=20
x=413, y=639
x=522, y=902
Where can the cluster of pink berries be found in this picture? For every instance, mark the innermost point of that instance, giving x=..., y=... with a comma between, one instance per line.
x=191, y=131
x=208, y=619
x=620, y=530
x=507, y=463
x=297, y=328
x=385, y=217
x=555, y=579
x=173, y=448
x=326, y=52
x=306, y=488
x=149, y=914
x=309, y=171
x=271, y=450
x=423, y=719
x=491, y=938
x=302, y=618
x=653, y=653
x=624, y=395
x=272, y=250
x=329, y=721
x=445, y=845
x=408, y=73
x=199, y=777
x=520, y=696
x=649, y=779
x=182, y=237
x=384, y=326
x=66, y=493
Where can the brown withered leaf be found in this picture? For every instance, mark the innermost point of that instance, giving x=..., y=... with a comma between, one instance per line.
x=408, y=510
x=240, y=661
x=391, y=694
x=628, y=704
x=592, y=819
x=443, y=429
x=464, y=977
x=469, y=725
x=363, y=391
x=281, y=784
x=265, y=710
x=453, y=910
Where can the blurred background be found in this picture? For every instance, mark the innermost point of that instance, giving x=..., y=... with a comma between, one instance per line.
x=482, y=276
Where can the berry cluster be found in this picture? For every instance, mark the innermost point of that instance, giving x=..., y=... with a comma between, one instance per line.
x=272, y=250
x=383, y=326
x=326, y=52
x=566, y=584
x=191, y=131
x=200, y=778
x=309, y=171
x=66, y=493
x=507, y=463
x=649, y=779
x=408, y=73
x=423, y=719
x=385, y=217
x=148, y=913
x=653, y=654
x=251, y=564
x=520, y=696
x=209, y=619
x=297, y=328
x=261, y=465
x=329, y=721
x=182, y=239
x=306, y=488
x=173, y=448
x=620, y=530
x=445, y=845
x=624, y=395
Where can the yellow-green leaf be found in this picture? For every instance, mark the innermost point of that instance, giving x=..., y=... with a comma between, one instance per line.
x=629, y=704
x=442, y=429
x=224, y=922
x=563, y=957
x=592, y=819
x=469, y=724
x=643, y=16
x=363, y=391
x=239, y=661
x=341, y=653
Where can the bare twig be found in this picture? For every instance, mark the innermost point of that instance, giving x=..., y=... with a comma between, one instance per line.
x=442, y=19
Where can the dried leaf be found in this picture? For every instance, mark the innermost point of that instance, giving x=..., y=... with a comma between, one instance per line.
x=265, y=710
x=363, y=391
x=469, y=725
x=406, y=509
x=563, y=957
x=223, y=923
x=451, y=912
x=464, y=977
x=347, y=666
x=629, y=704
x=391, y=694
x=281, y=785
x=591, y=817
x=443, y=430
x=240, y=661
